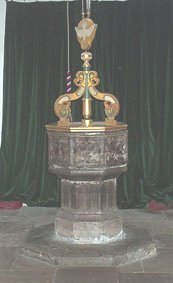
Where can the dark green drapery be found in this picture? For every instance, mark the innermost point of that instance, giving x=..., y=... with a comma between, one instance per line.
x=133, y=54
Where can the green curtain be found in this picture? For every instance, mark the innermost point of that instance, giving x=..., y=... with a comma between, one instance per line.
x=133, y=54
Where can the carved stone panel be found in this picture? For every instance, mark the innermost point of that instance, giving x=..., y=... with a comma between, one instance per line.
x=82, y=155
x=87, y=151
x=59, y=149
x=116, y=149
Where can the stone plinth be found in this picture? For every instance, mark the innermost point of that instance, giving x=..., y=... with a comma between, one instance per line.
x=88, y=164
x=136, y=244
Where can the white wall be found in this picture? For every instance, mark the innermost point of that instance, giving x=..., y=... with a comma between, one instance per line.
x=2, y=32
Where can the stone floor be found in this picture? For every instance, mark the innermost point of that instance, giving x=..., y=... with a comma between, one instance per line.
x=14, y=226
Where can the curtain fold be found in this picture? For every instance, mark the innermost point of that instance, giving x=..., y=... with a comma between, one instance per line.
x=133, y=55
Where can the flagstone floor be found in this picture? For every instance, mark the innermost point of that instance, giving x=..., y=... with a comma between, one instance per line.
x=16, y=268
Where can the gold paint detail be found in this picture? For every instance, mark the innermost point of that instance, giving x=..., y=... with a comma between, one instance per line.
x=86, y=111
x=86, y=57
x=80, y=79
x=62, y=108
x=81, y=127
x=87, y=123
x=86, y=80
x=64, y=122
x=111, y=103
x=86, y=32
x=62, y=105
x=93, y=79
x=110, y=122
